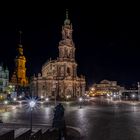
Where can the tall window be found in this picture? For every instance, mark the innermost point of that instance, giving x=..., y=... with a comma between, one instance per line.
x=1, y=82
x=68, y=71
x=0, y=89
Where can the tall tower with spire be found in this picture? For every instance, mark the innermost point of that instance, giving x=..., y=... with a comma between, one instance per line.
x=19, y=76
x=67, y=50
x=66, y=45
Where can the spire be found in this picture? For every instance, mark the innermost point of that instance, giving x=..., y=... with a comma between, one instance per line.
x=67, y=14
x=20, y=48
x=67, y=21
x=20, y=33
x=67, y=27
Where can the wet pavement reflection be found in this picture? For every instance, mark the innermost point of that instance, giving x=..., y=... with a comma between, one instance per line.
x=98, y=119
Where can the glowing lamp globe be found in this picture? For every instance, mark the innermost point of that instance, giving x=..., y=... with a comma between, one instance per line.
x=5, y=102
x=80, y=99
x=32, y=104
x=42, y=97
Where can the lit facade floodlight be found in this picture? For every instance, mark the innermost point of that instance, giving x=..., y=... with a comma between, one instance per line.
x=92, y=88
x=47, y=99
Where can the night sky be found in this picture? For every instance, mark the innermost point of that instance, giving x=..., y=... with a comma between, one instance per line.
x=107, y=40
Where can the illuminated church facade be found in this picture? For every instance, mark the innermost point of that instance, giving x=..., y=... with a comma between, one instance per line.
x=59, y=77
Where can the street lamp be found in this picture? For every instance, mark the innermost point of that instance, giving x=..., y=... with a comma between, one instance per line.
x=32, y=104
x=42, y=97
x=15, y=99
x=133, y=97
x=87, y=95
x=20, y=97
x=5, y=102
x=47, y=99
x=80, y=100
x=67, y=97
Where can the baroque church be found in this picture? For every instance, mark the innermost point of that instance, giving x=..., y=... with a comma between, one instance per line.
x=58, y=78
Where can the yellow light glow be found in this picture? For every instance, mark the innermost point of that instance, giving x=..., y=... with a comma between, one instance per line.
x=92, y=89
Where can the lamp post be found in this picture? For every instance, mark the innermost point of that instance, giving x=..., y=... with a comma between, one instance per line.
x=14, y=99
x=47, y=99
x=133, y=97
x=67, y=97
x=5, y=102
x=20, y=97
x=32, y=104
x=80, y=100
x=42, y=97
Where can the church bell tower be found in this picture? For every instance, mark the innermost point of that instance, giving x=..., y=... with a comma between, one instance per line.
x=19, y=76
x=66, y=45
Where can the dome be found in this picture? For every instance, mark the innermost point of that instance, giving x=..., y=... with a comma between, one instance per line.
x=67, y=22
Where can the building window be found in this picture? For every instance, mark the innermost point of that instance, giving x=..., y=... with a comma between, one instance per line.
x=0, y=89
x=1, y=83
x=68, y=71
x=43, y=87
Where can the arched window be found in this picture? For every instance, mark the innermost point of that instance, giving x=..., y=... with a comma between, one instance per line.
x=43, y=87
x=68, y=71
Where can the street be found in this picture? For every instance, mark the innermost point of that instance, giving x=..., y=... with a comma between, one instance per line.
x=98, y=119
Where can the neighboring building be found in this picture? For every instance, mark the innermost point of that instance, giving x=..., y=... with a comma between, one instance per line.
x=19, y=76
x=4, y=81
x=105, y=87
x=59, y=77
